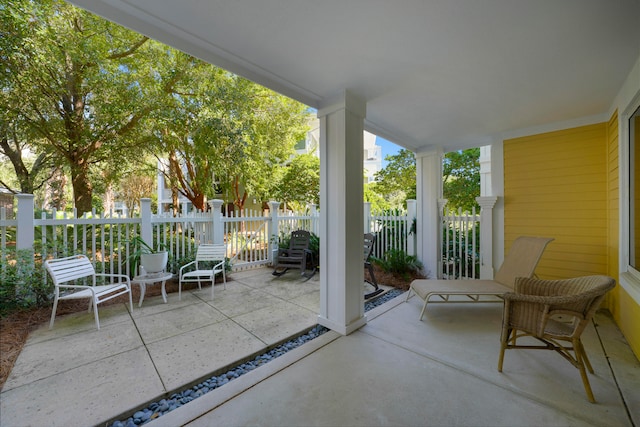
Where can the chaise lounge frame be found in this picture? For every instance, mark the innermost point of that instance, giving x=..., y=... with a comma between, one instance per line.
x=521, y=261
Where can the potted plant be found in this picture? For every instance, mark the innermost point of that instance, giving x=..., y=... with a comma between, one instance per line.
x=149, y=260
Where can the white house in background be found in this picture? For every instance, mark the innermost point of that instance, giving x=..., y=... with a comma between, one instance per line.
x=372, y=155
x=372, y=163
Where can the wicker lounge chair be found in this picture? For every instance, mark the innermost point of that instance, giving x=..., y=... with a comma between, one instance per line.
x=553, y=312
x=521, y=261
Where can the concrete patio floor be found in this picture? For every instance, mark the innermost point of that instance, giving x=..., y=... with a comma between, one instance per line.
x=75, y=374
x=396, y=370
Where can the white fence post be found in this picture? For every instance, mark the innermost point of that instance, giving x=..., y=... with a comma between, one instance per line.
x=25, y=215
x=411, y=217
x=315, y=224
x=275, y=230
x=441, y=205
x=146, y=229
x=217, y=228
x=367, y=217
x=486, y=235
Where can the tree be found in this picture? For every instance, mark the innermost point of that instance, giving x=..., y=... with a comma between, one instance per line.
x=31, y=172
x=78, y=82
x=225, y=134
x=461, y=178
x=300, y=182
x=396, y=182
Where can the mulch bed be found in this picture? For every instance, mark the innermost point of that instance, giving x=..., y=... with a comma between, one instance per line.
x=15, y=328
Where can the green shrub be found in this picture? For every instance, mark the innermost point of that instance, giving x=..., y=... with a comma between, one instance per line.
x=397, y=261
x=22, y=282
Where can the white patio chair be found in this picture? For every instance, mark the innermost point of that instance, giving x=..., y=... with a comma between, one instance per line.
x=67, y=272
x=203, y=270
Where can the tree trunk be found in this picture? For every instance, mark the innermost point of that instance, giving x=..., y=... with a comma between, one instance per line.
x=82, y=189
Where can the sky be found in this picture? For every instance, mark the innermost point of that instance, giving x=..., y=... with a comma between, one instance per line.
x=388, y=149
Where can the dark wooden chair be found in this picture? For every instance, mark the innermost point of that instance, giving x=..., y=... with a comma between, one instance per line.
x=369, y=243
x=298, y=255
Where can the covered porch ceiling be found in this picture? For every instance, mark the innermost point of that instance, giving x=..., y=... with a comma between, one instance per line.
x=448, y=73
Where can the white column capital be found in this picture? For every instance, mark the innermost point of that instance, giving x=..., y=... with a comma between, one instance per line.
x=487, y=201
x=433, y=151
x=343, y=101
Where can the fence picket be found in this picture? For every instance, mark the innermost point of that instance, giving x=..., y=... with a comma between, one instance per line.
x=105, y=238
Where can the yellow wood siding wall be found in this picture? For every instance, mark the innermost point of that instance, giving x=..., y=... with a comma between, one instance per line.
x=625, y=310
x=613, y=205
x=555, y=185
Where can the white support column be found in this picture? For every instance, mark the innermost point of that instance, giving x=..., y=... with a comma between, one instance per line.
x=341, y=214
x=217, y=228
x=486, y=235
x=25, y=234
x=428, y=190
x=146, y=229
x=485, y=171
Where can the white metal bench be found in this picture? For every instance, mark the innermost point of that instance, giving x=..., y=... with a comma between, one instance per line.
x=66, y=272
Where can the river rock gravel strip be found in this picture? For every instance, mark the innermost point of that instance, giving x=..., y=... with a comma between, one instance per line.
x=157, y=409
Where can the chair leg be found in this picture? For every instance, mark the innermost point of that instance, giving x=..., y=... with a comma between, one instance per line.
x=53, y=312
x=408, y=294
x=95, y=313
x=504, y=339
x=584, y=356
x=583, y=371
x=131, y=300
x=424, y=308
x=180, y=289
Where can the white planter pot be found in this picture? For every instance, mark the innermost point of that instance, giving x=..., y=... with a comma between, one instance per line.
x=154, y=263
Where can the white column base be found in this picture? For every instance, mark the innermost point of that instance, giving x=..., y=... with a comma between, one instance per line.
x=340, y=328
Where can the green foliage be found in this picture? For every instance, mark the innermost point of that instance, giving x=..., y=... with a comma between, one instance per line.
x=460, y=260
x=397, y=261
x=22, y=282
x=223, y=127
x=397, y=181
x=461, y=177
x=138, y=247
x=300, y=181
x=378, y=202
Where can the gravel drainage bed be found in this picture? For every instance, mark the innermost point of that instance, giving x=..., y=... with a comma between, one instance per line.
x=157, y=409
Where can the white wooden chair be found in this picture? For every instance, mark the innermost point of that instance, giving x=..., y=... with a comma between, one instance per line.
x=76, y=278
x=210, y=260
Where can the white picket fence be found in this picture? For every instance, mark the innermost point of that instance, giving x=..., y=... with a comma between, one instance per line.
x=460, y=245
x=250, y=238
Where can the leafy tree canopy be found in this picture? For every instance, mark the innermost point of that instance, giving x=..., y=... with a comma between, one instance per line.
x=300, y=182
x=461, y=177
x=79, y=85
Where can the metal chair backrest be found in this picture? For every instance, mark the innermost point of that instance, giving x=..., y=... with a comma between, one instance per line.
x=211, y=252
x=63, y=270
